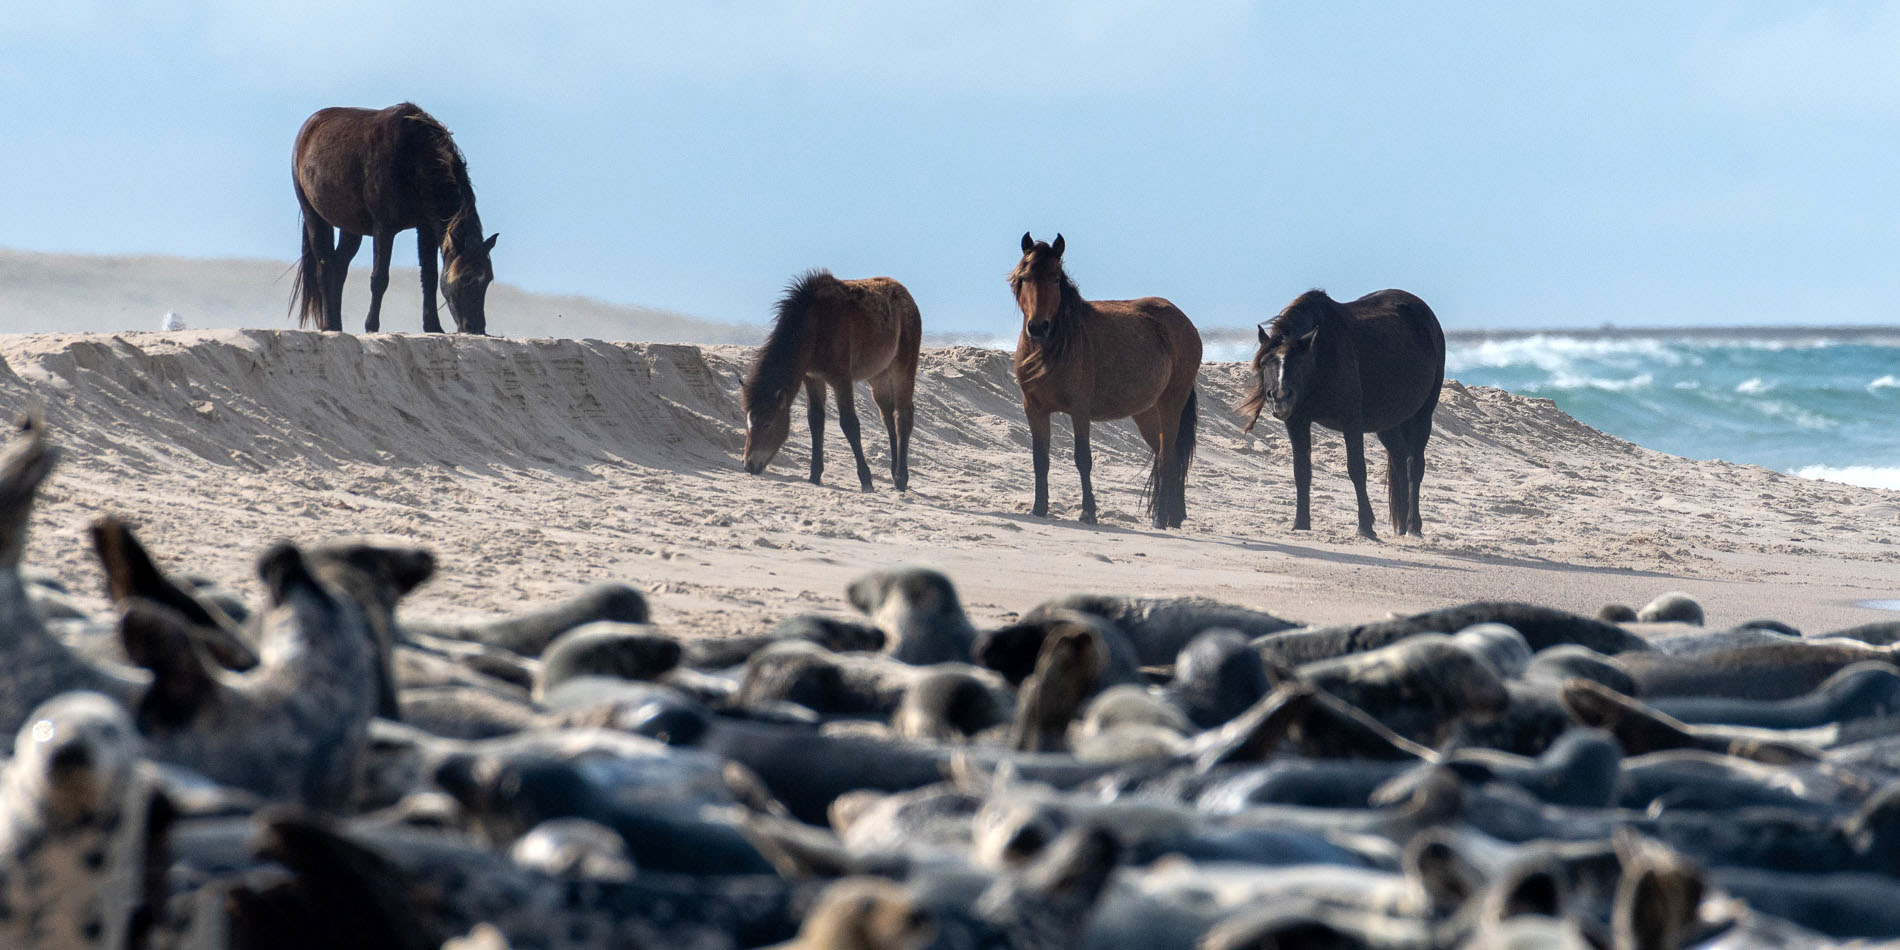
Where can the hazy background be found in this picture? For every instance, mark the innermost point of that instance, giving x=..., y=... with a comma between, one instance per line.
x=1549, y=164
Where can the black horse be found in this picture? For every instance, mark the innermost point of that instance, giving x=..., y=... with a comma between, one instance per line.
x=1373, y=365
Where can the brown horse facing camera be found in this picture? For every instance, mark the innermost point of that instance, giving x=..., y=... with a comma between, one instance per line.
x=1373, y=365
x=831, y=331
x=364, y=171
x=1100, y=360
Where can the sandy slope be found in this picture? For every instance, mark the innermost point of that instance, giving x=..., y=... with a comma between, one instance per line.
x=105, y=294
x=532, y=466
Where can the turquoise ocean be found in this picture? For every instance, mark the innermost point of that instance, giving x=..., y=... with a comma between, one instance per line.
x=1814, y=403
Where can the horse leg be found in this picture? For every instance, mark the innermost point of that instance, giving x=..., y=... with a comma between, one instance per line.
x=1299, y=436
x=425, y=257
x=815, y=420
x=848, y=421
x=1039, y=456
x=1418, y=431
x=904, y=390
x=1398, y=462
x=1084, y=462
x=337, y=272
x=1180, y=445
x=1148, y=423
x=382, y=244
x=1356, y=470
x=887, y=408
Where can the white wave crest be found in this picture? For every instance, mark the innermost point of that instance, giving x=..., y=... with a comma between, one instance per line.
x=1889, y=381
x=1866, y=476
x=1568, y=381
x=1754, y=386
x=1556, y=354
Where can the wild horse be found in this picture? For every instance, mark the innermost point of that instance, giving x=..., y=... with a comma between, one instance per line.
x=378, y=172
x=1100, y=360
x=835, y=332
x=1373, y=365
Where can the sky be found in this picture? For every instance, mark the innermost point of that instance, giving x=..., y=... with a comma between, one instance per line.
x=1553, y=164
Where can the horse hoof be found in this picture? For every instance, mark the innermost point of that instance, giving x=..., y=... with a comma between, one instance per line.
x=1087, y=518
x=1367, y=534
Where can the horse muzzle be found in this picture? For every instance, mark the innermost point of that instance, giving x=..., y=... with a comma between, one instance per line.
x=1037, y=331
x=754, y=466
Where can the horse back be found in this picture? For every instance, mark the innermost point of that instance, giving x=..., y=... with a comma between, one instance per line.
x=1138, y=349
x=880, y=326
x=358, y=167
x=1400, y=349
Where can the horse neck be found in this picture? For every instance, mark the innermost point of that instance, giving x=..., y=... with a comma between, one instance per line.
x=462, y=230
x=1072, y=317
x=791, y=357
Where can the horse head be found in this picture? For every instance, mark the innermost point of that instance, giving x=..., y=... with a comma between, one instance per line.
x=1285, y=365
x=768, y=423
x=1037, y=282
x=466, y=274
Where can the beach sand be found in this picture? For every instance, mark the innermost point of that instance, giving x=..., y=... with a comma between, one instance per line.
x=532, y=467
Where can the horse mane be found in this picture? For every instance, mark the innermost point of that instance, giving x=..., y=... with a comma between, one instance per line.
x=452, y=195
x=1286, y=321
x=785, y=354
x=1067, y=325
x=1283, y=324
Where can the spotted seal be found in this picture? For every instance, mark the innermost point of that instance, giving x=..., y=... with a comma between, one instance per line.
x=293, y=728
x=79, y=829
x=1541, y=627
x=919, y=611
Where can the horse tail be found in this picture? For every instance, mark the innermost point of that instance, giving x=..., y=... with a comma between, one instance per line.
x=1185, y=441
x=1167, y=480
x=306, y=294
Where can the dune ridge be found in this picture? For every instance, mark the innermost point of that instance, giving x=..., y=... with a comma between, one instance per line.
x=537, y=465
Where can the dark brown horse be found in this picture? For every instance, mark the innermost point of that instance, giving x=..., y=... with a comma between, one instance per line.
x=831, y=331
x=1373, y=365
x=371, y=172
x=1105, y=359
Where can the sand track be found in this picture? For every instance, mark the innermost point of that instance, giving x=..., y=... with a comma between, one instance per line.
x=536, y=465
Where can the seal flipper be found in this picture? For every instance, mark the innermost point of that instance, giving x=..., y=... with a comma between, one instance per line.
x=24, y=466
x=131, y=572
x=159, y=639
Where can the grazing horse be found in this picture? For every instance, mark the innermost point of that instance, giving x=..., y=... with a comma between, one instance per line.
x=372, y=172
x=1373, y=365
x=1105, y=359
x=831, y=331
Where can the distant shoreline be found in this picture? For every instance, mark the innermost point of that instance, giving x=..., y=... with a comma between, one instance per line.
x=1873, y=334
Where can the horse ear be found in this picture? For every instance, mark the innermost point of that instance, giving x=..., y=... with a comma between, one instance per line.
x=1056, y=246
x=1028, y=242
x=490, y=243
x=1262, y=330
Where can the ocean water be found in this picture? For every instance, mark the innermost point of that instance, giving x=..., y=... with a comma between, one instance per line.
x=1818, y=406
x=1815, y=403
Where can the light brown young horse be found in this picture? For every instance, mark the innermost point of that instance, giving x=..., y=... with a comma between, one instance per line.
x=1105, y=359
x=831, y=331
x=364, y=171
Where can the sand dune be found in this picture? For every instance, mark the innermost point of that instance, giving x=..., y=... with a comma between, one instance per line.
x=70, y=293
x=533, y=466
